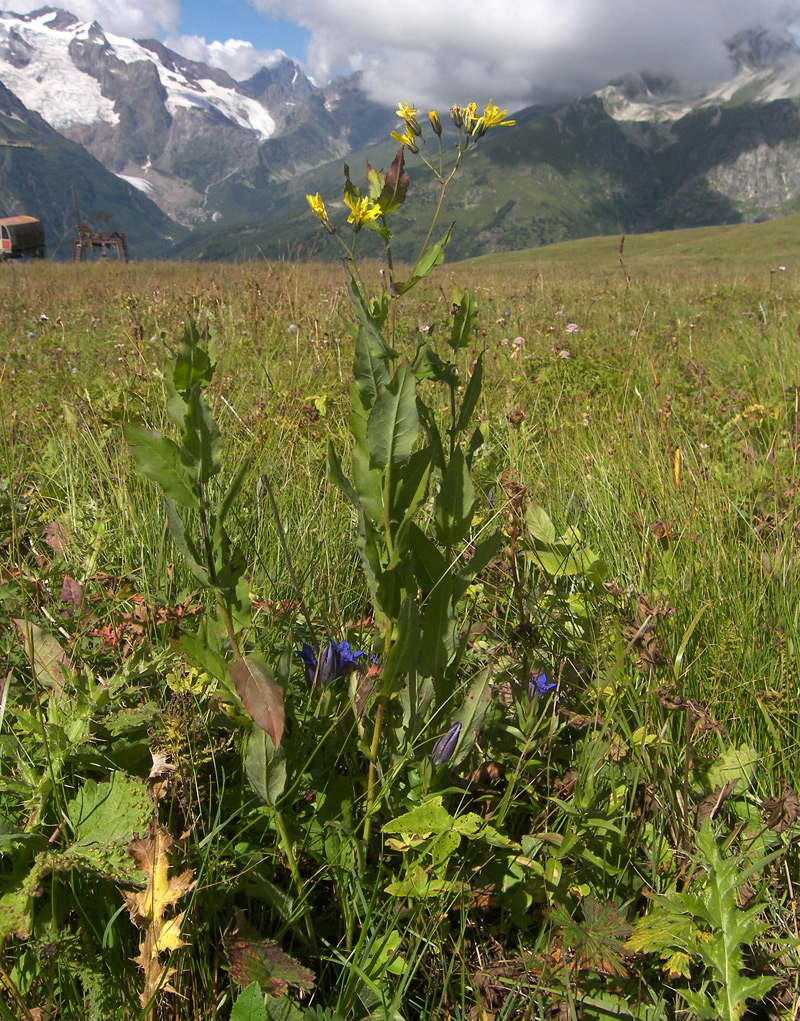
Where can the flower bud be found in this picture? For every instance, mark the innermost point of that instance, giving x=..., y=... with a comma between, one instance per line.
x=456, y=115
x=443, y=749
x=436, y=123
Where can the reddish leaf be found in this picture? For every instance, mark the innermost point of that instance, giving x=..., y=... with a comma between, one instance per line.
x=262, y=697
x=397, y=182
x=253, y=959
x=72, y=592
x=56, y=535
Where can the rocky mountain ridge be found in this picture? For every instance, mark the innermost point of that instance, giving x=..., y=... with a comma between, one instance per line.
x=230, y=162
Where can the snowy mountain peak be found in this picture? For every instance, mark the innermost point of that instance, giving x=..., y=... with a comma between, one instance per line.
x=65, y=69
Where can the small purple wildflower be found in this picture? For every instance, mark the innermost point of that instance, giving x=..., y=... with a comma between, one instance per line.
x=443, y=749
x=336, y=660
x=539, y=686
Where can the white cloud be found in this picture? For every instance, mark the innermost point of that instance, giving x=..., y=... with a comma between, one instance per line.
x=517, y=51
x=239, y=58
x=141, y=19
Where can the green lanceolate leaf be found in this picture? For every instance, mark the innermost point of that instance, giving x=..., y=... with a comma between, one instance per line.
x=438, y=628
x=202, y=442
x=432, y=433
x=159, y=459
x=455, y=503
x=464, y=322
x=234, y=489
x=429, y=564
x=371, y=318
x=260, y=694
x=368, y=481
x=338, y=477
x=184, y=544
x=473, y=712
x=393, y=423
x=471, y=395
x=265, y=766
x=432, y=257
x=403, y=653
x=411, y=485
x=371, y=365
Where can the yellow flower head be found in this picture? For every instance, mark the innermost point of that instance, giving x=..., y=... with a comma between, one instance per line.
x=436, y=122
x=405, y=112
x=492, y=116
x=406, y=139
x=361, y=210
x=318, y=207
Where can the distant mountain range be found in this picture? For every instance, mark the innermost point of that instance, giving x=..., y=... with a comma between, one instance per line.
x=190, y=163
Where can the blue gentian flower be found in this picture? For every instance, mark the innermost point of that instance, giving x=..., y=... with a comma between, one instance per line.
x=336, y=660
x=539, y=686
x=443, y=749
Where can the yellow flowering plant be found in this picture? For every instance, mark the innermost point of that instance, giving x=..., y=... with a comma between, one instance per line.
x=411, y=484
x=387, y=189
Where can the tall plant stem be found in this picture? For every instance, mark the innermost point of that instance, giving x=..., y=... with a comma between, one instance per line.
x=373, y=751
x=288, y=850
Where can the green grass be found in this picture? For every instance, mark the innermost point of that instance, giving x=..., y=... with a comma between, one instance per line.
x=664, y=428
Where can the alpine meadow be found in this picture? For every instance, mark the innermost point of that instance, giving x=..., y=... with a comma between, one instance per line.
x=403, y=640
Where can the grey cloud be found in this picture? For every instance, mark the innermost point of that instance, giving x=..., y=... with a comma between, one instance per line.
x=435, y=52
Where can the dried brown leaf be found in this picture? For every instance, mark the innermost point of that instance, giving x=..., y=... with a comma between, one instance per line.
x=708, y=807
x=782, y=812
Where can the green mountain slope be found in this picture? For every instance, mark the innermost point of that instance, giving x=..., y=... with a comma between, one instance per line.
x=40, y=181
x=557, y=175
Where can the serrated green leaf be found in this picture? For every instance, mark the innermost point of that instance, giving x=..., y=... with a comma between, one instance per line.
x=423, y=821
x=159, y=459
x=108, y=813
x=249, y=1005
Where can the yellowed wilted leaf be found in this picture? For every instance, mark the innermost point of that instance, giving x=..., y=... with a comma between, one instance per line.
x=149, y=908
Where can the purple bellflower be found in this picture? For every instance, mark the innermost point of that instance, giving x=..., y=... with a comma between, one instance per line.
x=336, y=660
x=539, y=686
x=443, y=749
